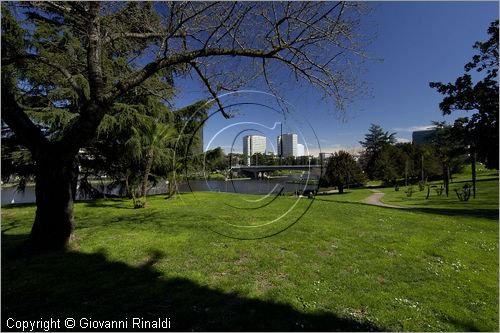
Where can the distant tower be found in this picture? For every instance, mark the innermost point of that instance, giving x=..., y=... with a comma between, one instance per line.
x=289, y=144
x=323, y=157
x=300, y=150
x=253, y=144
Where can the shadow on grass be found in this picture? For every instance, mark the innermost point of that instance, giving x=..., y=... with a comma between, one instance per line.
x=130, y=221
x=72, y=284
x=107, y=203
x=466, y=324
x=477, y=180
x=18, y=205
x=491, y=214
x=334, y=196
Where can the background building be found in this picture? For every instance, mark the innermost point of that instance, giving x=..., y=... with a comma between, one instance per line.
x=253, y=144
x=300, y=150
x=423, y=137
x=289, y=145
x=323, y=157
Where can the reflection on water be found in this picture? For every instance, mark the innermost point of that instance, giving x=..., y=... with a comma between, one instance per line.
x=247, y=186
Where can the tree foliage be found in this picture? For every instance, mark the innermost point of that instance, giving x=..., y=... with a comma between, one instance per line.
x=481, y=128
x=342, y=170
x=215, y=160
x=386, y=160
x=390, y=164
x=450, y=148
x=67, y=65
x=375, y=140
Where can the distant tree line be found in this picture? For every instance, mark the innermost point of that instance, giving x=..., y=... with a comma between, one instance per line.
x=407, y=163
x=468, y=140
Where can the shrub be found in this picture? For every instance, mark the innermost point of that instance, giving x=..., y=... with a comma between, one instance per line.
x=409, y=191
x=439, y=190
x=421, y=185
x=464, y=193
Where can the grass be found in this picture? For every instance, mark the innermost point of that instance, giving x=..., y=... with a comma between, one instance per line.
x=485, y=203
x=338, y=265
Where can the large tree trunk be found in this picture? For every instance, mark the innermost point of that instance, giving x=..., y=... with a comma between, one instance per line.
x=53, y=224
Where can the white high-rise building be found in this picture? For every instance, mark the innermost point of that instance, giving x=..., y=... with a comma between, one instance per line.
x=289, y=145
x=253, y=144
x=300, y=150
x=323, y=157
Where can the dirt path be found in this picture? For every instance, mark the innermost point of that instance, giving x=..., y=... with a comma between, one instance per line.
x=374, y=199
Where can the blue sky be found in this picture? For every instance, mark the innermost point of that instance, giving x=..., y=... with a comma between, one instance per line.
x=418, y=42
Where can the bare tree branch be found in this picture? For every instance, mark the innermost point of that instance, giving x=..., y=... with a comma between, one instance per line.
x=224, y=43
x=209, y=87
x=182, y=58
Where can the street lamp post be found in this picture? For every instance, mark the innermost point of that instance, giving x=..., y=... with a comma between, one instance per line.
x=281, y=143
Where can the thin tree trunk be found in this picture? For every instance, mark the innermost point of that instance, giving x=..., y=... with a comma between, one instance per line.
x=406, y=173
x=130, y=191
x=53, y=224
x=171, y=184
x=473, y=168
x=446, y=180
x=147, y=171
x=422, y=168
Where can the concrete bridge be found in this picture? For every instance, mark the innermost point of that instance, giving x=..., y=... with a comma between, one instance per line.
x=254, y=170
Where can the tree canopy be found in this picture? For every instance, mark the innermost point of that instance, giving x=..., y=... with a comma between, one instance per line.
x=68, y=65
x=481, y=128
x=375, y=140
x=342, y=170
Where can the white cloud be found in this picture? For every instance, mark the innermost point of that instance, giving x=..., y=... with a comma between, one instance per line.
x=402, y=140
x=414, y=128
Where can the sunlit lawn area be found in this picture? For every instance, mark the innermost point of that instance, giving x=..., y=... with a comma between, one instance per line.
x=344, y=265
x=485, y=203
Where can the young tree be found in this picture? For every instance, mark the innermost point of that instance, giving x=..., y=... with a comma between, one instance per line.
x=342, y=170
x=390, y=164
x=481, y=129
x=82, y=58
x=450, y=150
x=420, y=161
x=215, y=160
x=375, y=140
x=142, y=143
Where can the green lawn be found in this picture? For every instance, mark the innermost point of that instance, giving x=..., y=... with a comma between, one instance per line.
x=485, y=203
x=338, y=265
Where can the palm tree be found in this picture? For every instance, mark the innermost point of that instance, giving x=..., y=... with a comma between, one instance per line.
x=151, y=146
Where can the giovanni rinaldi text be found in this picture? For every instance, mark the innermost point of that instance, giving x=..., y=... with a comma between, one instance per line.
x=87, y=323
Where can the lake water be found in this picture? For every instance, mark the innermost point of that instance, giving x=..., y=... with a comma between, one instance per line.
x=245, y=186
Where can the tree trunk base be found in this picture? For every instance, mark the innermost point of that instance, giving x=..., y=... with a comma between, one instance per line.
x=53, y=224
